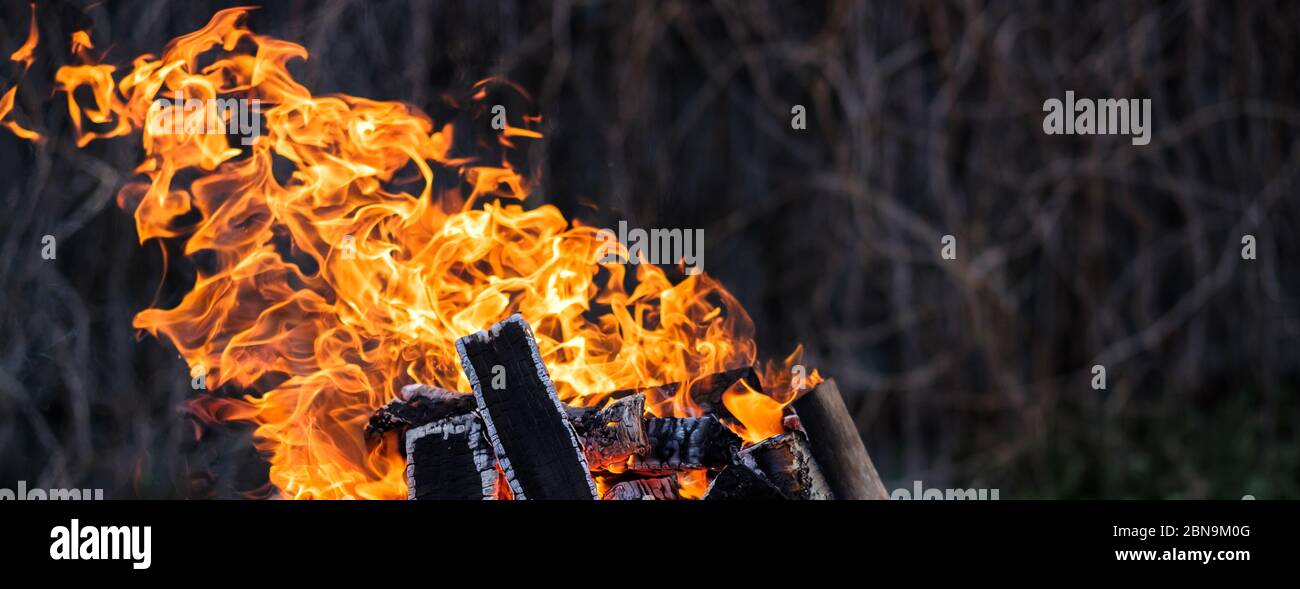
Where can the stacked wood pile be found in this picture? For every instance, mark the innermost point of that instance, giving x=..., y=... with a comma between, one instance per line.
x=514, y=431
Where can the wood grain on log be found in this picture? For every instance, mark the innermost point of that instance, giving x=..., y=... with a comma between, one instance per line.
x=686, y=443
x=611, y=435
x=786, y=461
x=836, y=445
x=450, y=459
x=536, y=447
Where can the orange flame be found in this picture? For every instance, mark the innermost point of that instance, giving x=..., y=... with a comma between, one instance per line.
x=331, y=286
x=25, y=54
x=81, y=41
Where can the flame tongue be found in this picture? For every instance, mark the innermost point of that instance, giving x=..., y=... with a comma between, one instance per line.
x=25, y=55
x=330, y=287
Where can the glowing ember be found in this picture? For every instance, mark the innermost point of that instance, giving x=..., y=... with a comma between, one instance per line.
x=328, y=287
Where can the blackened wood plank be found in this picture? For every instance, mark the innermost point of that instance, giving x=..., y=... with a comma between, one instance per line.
x=836, y=445
x=738, y=482
x=450, y=459
x=686, y=443
x=535, y=445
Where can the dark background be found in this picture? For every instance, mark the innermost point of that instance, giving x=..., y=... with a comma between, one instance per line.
x=924, y=119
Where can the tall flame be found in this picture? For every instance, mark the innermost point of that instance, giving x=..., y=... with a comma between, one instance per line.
x=333, y=269
x=25, y=54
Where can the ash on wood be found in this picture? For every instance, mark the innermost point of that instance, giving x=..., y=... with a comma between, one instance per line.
x=660, y=488
x=418, y=405
x=686, y=443
x=786, y=461
x=536, y=447
x=740, y=482
x=836, y=445
x=450, y=459
x=611, y=435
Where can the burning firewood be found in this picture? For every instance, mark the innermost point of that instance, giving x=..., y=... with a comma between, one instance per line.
x=836, y=445
x=535, y=445
x=786, y=462
x=609, y=436
x=612, y=435
x=661, y=488
x=822, y=457
x=740, y=482
x=547, y=449
x=450, y=459
x=705, y=393
x=419, y=404
x=686, y=443
x=780, y=467
x=356, y=254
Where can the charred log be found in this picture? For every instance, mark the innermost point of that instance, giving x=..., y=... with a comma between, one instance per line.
x=611, y=435
x=418, y=405
x=436, y=402
x=686, y=443
x=836, y=445
x=450, y=459
x=536, y=447
x=740, y=482
x=786, y=462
